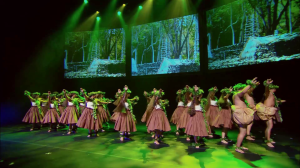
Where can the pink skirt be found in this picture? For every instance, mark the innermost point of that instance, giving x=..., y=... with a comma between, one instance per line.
x=211, y=114
x=61, y=109
x=145, y=117
x=33, y=116
x=70, y=116
x=115, y=116
x=81, y=109
x=44, y=109
x=87, y=120
x=103, y=114
x=176, y=115
x=125, y=122
x=158, y=121
x=184, y=118
x=51, y=116
x=224, y=119
x=196, y=125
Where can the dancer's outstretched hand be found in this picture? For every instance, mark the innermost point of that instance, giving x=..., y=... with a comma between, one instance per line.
x=230, y=89
x=215, y=88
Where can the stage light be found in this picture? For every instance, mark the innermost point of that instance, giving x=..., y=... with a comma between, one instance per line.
x=119, y=13
x=97, y=12
x=98, y=18
x=124, y=4
x=86, y=1
x=140, y=7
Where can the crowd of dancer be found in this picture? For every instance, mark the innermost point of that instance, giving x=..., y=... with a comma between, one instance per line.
x=194, y=116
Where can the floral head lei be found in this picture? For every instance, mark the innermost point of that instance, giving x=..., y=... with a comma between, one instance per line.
x=73, y=92
x=159, y=94
x=92, y=93
x=27, y=93
x=213, y=90
x=271, y=86
x=124, y=91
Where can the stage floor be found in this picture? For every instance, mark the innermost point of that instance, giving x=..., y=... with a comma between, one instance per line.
x=22, y=148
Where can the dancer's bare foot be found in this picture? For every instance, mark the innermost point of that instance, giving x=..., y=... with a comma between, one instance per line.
x=31, y=129
x=102, y=130
x=250, y=138
x=89, y=136
x=177, y=133
x=270, y=145
x=153, y=136
x=224, y=141
x=210, y=135
x=188, y=139
x=244, y=148
x=69, y=133
x=122, y=139
x=128, y=133
x=49, y=130
x=197, y=147
x=156, y=142
x=121, y=133
x=239, y=150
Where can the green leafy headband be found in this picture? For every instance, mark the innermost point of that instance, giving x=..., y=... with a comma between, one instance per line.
x=128, y=91
x=225, y=90
x=239, y=86
x=93, y=93
x=26, y=93
x=159, y=94
x=271, y=86
x=100, y=92
x=249, y=82
x=56, y=93
x=74, y=92
x=60, y=94
x=213, y=90
x=189, y=89
x=52, y=95
x=45, y=94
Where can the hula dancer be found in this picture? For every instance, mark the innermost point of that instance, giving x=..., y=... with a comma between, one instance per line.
x=126, y=120
x=212, y=109
x=158, y=121
x=52, y=115
x=242, y=115
x=185, y=117
x=249, y=100
x=118, y=97
x=35, y=114
x=71, y=113
x=82, y=104
x=268, y=110
x=196, y=125
x=178, y=111
x=90, y=118
x=224, y=117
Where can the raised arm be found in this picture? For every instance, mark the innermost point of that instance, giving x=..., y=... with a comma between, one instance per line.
x=66, y=96
x=228, y=94
x=49, y=100
x=28, y=95
x=246, y=89
x=267, y=83
x=84, y=95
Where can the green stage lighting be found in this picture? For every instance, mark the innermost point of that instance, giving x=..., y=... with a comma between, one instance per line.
x=98, y=18
x=140, y=7
x=86, y=1
x=119, y=13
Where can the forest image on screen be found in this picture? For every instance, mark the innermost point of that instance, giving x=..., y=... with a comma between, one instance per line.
x=92, y=54
x=247, y=32
x=164, y=47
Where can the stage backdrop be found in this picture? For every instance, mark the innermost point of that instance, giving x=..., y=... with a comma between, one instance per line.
x=247, y=32
x=92, y=54
x=169, y=46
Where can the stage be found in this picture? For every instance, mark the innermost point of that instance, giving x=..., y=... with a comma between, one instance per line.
x=22, y=148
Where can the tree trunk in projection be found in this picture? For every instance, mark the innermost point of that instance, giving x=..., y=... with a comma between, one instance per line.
x=152, y=36
x=290, y=14
x=82, y=47
x=241, y=38
x=287, y=24
x=231, y=25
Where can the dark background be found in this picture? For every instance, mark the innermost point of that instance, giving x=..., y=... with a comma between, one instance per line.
x=29, y=24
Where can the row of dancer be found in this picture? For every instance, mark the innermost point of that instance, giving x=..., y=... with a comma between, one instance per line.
x=195, y=114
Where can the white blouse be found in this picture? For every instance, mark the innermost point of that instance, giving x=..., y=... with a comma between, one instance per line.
x=52, y=105
x=90, y=105
x=44, y=104
x=189, y=104
x=157, y=106
x=70, y=104
x=198, y=108
x=82, y=104
x=33, y=104
x=213, y=103
x=180, y=104
x=126, y=105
